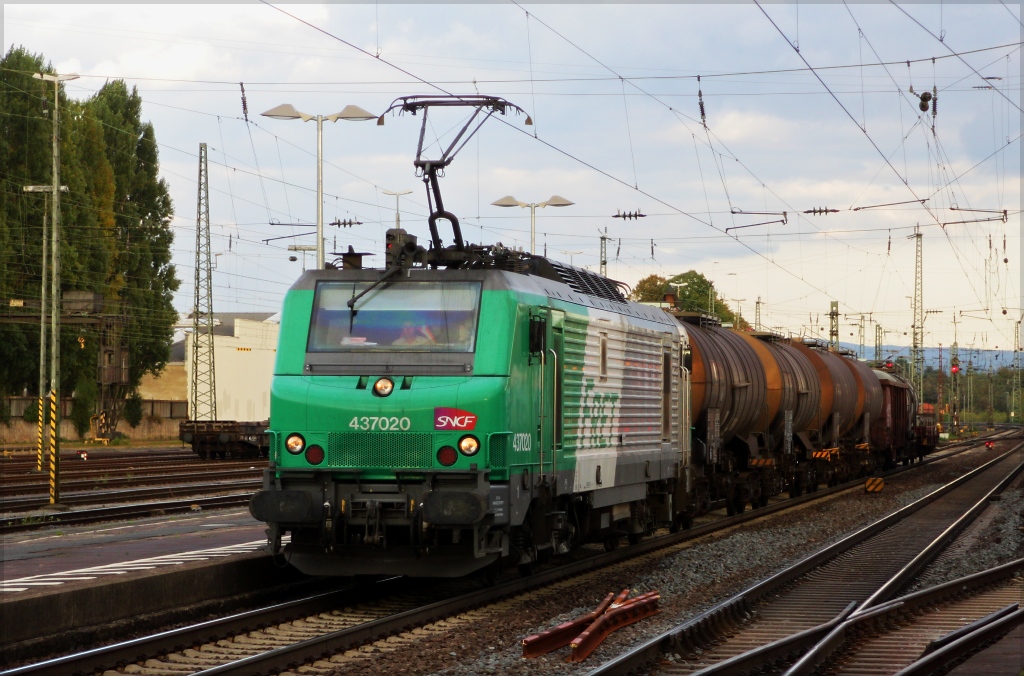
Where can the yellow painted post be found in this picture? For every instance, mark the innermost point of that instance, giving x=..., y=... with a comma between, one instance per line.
x=54, y=451
x=39, y=444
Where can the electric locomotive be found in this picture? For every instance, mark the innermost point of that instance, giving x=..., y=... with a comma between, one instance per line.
x=464, y=404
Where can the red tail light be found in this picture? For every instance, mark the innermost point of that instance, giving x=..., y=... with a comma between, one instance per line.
x=315, y=454
x=447, y=456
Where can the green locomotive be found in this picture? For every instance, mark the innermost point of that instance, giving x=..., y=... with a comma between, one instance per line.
x=450, y=417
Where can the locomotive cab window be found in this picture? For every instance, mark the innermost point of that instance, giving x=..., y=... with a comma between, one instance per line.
x=403, y=317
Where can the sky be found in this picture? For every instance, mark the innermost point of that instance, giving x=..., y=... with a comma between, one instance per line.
x=805, y=106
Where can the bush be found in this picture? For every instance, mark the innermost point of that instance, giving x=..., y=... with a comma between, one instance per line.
x=83, y=404
x=132, y=412
x=31, y=414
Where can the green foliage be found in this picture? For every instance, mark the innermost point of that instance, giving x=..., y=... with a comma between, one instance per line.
x=5, y=412
x=83, y=404
x=692, y=291
x=31, y=413
x=115, y=222
x=132, y=412
x=650, y=289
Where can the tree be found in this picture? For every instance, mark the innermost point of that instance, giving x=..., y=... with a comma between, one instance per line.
x=650, y=289
x=692, y=291
x=115, y=217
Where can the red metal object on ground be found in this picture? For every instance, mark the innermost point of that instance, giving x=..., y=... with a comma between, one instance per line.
x=563, y=634
x=631, y=610
x=610, y=614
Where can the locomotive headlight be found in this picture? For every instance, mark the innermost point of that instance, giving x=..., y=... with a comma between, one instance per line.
x=469, y=445
x=383, y=387
x=295, y=443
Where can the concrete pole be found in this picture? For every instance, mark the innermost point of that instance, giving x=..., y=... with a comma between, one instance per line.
x=55, y=307
x=319, y=192
x=42, y=344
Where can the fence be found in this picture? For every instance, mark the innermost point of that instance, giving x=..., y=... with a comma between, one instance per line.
x=151, y=408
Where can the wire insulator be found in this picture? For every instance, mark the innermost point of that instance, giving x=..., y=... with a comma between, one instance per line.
x=245, y=105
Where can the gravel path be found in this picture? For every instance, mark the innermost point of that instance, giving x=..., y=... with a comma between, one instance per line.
x=691, y=579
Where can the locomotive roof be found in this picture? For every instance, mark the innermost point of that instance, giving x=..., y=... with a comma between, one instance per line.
x=531, y=274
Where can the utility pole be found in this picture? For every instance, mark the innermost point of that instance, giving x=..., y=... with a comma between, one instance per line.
x=203, y=404
x=41, y=402
x=917, y=355
x=571, y=254
x=55, y=289
x=1015, y=404
x=833, y=325
x=879, y=333
x=757, y=315
x=969, y=400
x=940, y=376
x=954, y=380
x=604, y=252
x=398, y=196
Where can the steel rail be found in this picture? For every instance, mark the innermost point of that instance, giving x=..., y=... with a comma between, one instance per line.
x=735, y=609
x=108, y=657
x=822, y=652
x=790, y=647
x=954, y=652
x=100, y=497
x=311, y=649
x=288, y=657
x=87, y=516
x=101, y=482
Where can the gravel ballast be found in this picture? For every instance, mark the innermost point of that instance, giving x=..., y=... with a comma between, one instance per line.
x=690, y=578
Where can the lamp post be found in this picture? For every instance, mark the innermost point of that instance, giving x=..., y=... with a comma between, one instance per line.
x=45, y=189
x=287, y=111
x=56, y=79
x=398, y=196
x=554, y=201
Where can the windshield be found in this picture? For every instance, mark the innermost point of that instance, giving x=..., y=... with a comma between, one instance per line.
x=397, y=317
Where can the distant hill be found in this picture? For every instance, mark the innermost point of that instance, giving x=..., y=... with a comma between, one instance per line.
x=981, y=358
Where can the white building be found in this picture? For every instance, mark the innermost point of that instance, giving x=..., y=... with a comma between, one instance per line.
x=244, y=350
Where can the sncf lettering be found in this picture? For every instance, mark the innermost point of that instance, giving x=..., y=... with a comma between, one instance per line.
x=453, y=419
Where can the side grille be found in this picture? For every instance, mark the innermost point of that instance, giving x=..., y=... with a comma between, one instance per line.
x=498, y=449
x=585, y=281
x=370, y=449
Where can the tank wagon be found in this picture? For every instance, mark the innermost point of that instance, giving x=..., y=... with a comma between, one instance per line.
x=468, y=406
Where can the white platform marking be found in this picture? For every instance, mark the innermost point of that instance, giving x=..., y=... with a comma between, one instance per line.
x=56, y=579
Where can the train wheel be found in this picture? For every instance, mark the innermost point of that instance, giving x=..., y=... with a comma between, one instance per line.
x=741, y=506
x=611, y=543
x=763, y=502
x=634, y=538
x=796, y=488
x=490, y=574
x=730, y=508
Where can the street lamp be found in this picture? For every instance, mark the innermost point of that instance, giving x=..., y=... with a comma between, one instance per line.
x=554, y=201
x=398, y=195
x=56, y=79
x=287, y=111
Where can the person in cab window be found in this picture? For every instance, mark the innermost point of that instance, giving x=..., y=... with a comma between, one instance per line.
x=415, y=335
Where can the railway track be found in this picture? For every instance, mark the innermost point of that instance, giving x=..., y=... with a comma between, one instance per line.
x=105, y=481
x=18, y=524
x=799, y=606
x=269, y=641
x=924, y=632
x=37, y=520
x=73, y=498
